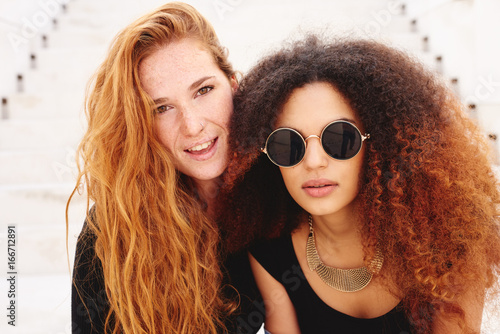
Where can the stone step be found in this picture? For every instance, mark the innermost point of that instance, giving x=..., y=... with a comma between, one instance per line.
x=71, y=32
x=37, y=166
x=96, y=14
x=295, y=19
x=428, y=59
x=488, y=117
x=38, y=215
x=61, y=70
x=39, y=134
x=80, y=38
x=41, y=204
x=491, y=318
x=43, y=304
x=390, y=21
x=41, y=249
x=11, y=62
x=45, y=106
x=407, y=41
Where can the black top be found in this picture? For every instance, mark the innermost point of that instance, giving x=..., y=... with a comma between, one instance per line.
x=314, y=316
x=90, y=304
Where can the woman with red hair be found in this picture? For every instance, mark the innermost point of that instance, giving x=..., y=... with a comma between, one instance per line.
x=150, y=257
x=371, y=188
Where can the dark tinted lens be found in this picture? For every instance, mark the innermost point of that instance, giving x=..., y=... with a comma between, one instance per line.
x=285, y=147
x=341, y=140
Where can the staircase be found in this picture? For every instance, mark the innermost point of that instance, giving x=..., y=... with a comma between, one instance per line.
x=54, y=46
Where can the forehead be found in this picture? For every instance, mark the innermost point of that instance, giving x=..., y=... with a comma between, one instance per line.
x=176, y=64
x=316, y=104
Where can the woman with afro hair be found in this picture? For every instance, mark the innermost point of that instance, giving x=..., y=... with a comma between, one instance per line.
x=364, y=191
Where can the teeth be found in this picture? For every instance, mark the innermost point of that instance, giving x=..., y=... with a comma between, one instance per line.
x=321, y=186
x=201, y=146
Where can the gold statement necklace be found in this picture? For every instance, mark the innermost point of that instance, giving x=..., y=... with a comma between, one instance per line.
x=345, y=280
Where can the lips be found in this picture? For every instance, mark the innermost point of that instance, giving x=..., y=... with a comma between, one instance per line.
x=201, y=147
x=202, y=151
x=319, y=187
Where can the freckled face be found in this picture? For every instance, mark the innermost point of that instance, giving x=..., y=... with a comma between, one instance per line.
x=194, y=102
x=320, y=184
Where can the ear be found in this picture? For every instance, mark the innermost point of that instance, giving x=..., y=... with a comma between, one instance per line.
x=234, y=83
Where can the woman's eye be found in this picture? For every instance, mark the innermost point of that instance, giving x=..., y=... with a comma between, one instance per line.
x=162, y=109
x=204, y=90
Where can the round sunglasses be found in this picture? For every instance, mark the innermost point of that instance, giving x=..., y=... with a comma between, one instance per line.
x=341, y=140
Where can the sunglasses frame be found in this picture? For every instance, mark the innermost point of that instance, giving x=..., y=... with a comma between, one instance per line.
x=320, y=137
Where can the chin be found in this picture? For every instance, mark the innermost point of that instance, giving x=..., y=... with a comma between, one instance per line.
x=208, y=176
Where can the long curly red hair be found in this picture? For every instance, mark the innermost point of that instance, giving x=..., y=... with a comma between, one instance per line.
x=158, y=249
x=428, y=195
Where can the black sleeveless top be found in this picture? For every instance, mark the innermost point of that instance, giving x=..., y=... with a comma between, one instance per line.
x=90, y=304
x=315, y=316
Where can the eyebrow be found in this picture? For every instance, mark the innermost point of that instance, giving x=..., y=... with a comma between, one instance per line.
x=350, y=120
x=191, y=87
x=160, y=100
x=346, y=119
x=199, y=81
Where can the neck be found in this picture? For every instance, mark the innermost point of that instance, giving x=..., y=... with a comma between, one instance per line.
x=208, y=191
x=338, y=239
x=337, y=229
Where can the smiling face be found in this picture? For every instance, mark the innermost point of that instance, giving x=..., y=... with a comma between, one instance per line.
x=193, y=104
x=320, y=184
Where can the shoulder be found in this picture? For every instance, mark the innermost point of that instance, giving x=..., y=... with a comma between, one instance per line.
x=89, y=299
x=85, y=255
x=239, y=284
x=276, y=246
x=274, y=255
x=280, y=313
x=87, y=269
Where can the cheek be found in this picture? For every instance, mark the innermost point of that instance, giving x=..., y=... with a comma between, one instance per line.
x=359, y=169
x=225, y=109
x=164, y=134
x=290, y=180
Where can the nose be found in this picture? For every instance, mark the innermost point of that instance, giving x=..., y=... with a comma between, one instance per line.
x=191, y=122
x=315, y=156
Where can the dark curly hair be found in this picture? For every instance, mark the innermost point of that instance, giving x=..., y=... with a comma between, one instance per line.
x=428, y=195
